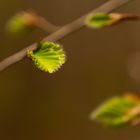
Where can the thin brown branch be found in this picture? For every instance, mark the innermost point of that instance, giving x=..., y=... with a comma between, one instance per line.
x=46, y=26
x=41, y=22
x=62, y=32
x=34, y=20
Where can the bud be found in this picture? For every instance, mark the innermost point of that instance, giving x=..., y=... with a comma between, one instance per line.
x=21, y=23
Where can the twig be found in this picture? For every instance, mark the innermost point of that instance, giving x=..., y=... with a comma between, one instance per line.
x=46, y=26
x=62, y=32
x=40, y=22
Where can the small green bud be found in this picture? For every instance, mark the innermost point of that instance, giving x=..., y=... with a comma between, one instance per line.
x=20, y=23
x=99, y=20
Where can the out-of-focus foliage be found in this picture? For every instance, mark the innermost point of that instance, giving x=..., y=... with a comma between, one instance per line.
x=48, y=56
x=118, y=111
x=20, y=23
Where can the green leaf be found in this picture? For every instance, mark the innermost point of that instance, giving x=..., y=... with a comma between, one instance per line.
x=48, y=57
x=116, y=112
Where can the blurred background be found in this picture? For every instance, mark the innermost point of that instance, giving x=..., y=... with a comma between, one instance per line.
x=100, y=64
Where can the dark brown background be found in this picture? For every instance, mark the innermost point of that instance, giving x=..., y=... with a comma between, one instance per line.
x=38, y=106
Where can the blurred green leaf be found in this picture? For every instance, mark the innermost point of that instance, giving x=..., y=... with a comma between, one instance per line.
x=118, y=111
x=48, y=57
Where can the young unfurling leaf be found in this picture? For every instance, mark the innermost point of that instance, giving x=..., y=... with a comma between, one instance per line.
x=100, y=20
x=118, y=111
x=48, y=56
